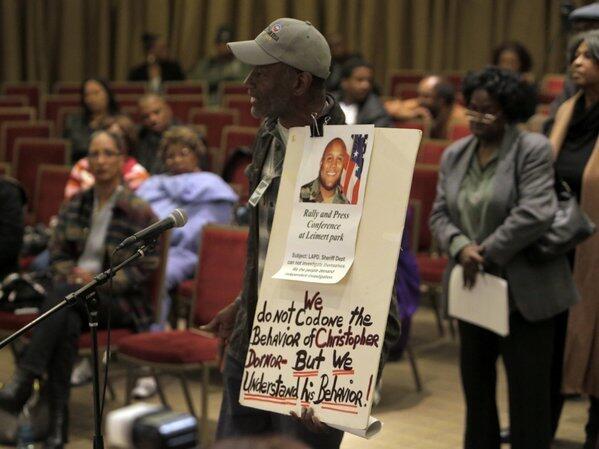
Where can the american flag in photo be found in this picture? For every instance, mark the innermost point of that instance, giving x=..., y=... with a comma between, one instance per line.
x=351, y=177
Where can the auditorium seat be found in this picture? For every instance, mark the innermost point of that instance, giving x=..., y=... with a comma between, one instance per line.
x=406, y=91
x=217, y=283
x=134, y=88
x=52, y=104
x=67, y=88
x=49, y=191
x=10, y=131
x=13, y=101
x=551, y=86
x=241, y=103
x=195, y=88
x=430, y=263
x=21, y=114
x=458, y=130
x=227, y=88
x=31, y=89
x=431, y=150
x=402, y=76
x=183, y=104
x=413, y=124
x=236, y=136
x=30, y=153
x=214, y=120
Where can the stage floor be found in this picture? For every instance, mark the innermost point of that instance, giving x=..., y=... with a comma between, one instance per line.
x=432, y=419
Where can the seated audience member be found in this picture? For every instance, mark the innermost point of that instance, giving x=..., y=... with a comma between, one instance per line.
x=356, y=97
x=89, y=228
x=495, y=197
x=223, y=66
x=81, y=178
x=436, y=104
x=12, y=201
x=156, y=118
x=514, y=57
x=97, y=102
x=575, y=139
x=157, y=66
x=339, y=56
x=204, y=196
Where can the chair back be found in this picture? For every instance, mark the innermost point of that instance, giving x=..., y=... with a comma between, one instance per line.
x=137, y=88
x=52, y=104
x=458, y=130
x=214, y=120
x=11, y=131
x=424, y=189
x=13, y=101
x=226, y=88
x=32, y=90
x=219, y=277
x=241, y=103
x=183, y=104
x=431, y=150
x=402, y=76
x=30, y=153
x=196, y=88
x=49, y=191
x=67, y=88
x=21, y=114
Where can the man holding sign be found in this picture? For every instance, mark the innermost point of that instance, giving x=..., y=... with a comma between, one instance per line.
x=291, y=61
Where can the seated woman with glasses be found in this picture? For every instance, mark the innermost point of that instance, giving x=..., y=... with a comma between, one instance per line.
x=204, y=196
x=495, y=197
x=89, y=228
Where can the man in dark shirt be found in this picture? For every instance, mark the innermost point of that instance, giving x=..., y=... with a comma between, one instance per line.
x=157, y=67
x=156, y=117
x=12, y=200
x=357, y=98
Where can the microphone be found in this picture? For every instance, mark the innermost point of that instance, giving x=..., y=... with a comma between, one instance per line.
x=176, y=219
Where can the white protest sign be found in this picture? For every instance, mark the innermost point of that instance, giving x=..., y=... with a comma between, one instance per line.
x=321, y=241
x=319, y=344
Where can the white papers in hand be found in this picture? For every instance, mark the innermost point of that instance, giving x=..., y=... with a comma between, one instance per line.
x=374, y=426
x=486, y=305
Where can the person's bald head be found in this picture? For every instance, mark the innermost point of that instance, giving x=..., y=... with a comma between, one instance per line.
x=155, y=112
x=435, y=93
x=333, y=161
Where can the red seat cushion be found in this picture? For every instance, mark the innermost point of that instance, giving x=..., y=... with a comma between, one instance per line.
x=431, y=268
x=116, y=335
x=10, y=321
x=186, y=288
x=170, y=347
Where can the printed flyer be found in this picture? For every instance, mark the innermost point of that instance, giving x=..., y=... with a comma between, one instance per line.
x=328, y=205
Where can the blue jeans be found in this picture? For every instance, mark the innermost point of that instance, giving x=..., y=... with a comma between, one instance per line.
x=235, y=420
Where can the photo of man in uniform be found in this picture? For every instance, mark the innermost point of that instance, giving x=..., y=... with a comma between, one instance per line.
x=326, y=188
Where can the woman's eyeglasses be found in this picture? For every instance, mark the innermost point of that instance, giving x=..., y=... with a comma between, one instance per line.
x=107, y=154
x=479, y=117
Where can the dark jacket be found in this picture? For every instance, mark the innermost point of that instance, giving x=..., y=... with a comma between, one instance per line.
x=130, y=215
x=12, y=200
x=170, y=71
x=249, y=296
x=523, y=206
x=371, y=111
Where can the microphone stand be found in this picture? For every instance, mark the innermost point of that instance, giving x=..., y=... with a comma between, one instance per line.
x=88, y=294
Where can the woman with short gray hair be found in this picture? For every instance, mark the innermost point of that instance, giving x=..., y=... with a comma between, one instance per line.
x=576, y=151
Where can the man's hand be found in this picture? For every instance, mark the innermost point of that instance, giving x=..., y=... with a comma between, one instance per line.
x=471, y=259
x=222, y=327
x=309, y=420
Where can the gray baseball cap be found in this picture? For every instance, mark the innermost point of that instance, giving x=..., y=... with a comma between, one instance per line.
x=294, y=42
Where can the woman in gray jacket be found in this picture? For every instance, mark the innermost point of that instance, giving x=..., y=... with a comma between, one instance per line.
x=495, y=196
